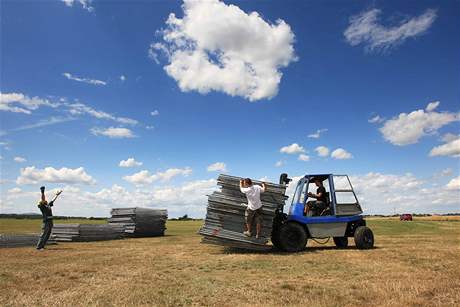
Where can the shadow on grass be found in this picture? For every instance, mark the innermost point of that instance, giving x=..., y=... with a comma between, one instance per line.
x=306, y=251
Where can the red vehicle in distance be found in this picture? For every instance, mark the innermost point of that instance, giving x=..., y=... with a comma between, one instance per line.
x=405, y=217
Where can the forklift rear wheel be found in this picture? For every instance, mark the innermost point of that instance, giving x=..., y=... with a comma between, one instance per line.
x=364, y=238
x=341, y=242
x=292, y=237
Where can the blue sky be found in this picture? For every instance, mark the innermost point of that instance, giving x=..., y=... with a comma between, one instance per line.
x=80, y=80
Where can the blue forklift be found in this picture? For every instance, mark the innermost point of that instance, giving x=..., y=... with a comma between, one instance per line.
x=340, y=219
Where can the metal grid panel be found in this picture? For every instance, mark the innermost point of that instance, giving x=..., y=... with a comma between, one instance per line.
x=224, y=223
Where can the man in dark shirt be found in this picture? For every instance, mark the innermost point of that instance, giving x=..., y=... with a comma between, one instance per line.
x=47, y=214
x=320, y=204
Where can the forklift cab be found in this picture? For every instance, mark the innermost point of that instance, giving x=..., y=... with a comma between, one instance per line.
x=341, y=198
x=341, y=220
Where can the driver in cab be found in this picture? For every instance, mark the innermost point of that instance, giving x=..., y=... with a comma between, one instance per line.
x=317, y=206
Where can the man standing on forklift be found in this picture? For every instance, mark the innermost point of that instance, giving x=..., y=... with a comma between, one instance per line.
x=254, y=209
x=320, y=204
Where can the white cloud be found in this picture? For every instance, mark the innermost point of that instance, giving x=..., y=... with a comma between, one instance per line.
x=172, y=172
x=145, y=177
x=449, y=137
x=390, y=193
x=217, y=167
x=42, y=123
x=84, y=80
x=341, y=154
x=280, y=163
x=74, y=109
x=20, y=103
x=432, y=105
x=142, y=177
x=19, y=159
x=5, y=145
x=123, y=78
x=155, y=113
x=219, y=47
x=150, y=127
x=303, y=157
x=451, y=148
x=130, y=162
x=81, y=108
x=317, y=134
x=113, y=132
x=444, y=173
x=68, y=2
x=264, y=179
x=454, y=184
x=188, y=198
x=292, y=149
x=33, y=175
x=322, y=151
x=407, y=129
x=86, y=4
x=376, y=119
x=14, y=190
x=365, y=29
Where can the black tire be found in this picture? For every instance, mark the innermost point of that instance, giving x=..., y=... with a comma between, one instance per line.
x=364, y=238
x=278, y=221
x=292, y=237
x=341, y=242
x=276, y=239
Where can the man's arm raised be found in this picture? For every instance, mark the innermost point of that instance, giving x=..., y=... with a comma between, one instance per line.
x=56, y=196
x=264, y=187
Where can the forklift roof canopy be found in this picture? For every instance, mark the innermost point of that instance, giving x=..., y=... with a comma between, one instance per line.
x=320, y=177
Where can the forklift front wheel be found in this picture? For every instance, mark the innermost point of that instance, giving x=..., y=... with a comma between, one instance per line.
x=293, y=237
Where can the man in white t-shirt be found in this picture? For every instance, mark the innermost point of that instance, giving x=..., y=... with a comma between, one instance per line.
x=254, y=209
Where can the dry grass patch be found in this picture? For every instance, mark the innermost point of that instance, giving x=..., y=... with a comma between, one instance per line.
x=414, y=264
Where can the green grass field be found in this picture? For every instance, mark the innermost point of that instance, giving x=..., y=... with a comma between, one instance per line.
x=413, y=264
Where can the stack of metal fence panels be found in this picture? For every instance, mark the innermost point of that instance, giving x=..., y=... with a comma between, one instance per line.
x=140, y=222
x=87, y=232
x=224, y=223
x=66, y=232
x=21, y=240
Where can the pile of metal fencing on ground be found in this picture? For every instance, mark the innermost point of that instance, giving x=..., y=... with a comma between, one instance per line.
x=87, y=232
x=125, y=222
x=224, y=223
x=140, y=222
x=21, y=240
